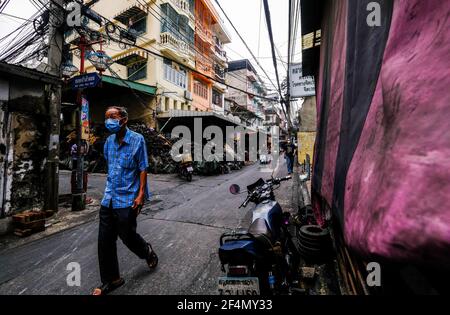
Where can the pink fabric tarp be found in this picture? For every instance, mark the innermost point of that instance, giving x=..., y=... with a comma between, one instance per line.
x=397, y=201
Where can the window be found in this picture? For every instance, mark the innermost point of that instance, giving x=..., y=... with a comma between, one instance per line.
x=137, y=71
x=140, y=26
x=177, y=76
x=200, y=89
x=166, y=105
x=177, y=25
x=192, y=6
x=217, y=98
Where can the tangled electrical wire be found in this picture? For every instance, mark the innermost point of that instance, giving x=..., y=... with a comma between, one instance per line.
x=25, y=43
x=30, y=41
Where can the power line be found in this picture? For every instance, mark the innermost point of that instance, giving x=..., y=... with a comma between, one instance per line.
x=244, y=42
x=3, y=6
x=198, y=72
x=259, y=27
x=296, y=27
x=194, y=48
x=211, y=59
x=182, y=65
x=289, y=54
x=13, y=16
x=175, y=32
x=269, y=28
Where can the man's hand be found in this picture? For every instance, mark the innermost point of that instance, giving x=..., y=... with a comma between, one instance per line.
x=138, y=204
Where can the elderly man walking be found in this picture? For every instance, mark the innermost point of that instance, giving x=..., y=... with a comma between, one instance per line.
x=125, y=193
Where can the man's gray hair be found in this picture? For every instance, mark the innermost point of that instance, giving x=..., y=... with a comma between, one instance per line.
x=122, y=110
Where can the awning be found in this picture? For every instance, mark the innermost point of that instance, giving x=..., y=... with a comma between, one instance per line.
x=134, y=13
x=130, y=84
x=129, y=57
x=195, y=114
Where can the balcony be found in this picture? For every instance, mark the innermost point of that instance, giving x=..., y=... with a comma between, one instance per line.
x=204, y=65
x=219, y=73
x=135, y=12
x=173, y=47
x=251, y=76
x=220, y=55
x=204, y=33
x=181, y=6
x=251, y=108
x=129, y=57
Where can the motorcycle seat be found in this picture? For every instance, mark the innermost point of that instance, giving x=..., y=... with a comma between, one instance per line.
x=261, y=232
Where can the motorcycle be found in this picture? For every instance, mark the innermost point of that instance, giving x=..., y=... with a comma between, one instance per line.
x=263, y=259
x=186, y=168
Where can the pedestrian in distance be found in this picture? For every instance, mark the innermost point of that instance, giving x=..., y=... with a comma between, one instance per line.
x=125, y=193
x=289, y=155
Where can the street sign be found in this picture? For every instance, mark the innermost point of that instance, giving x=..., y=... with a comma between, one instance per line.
x=300, y=86
x=84, y=81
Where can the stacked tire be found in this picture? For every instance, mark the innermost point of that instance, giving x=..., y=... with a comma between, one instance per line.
x=315, y=244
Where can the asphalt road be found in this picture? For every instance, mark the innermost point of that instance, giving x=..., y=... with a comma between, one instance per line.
x=183, y=222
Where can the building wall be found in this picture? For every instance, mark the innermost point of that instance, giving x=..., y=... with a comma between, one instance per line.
x=200, y=55
x=23, y=149
x=248, y=81
x=167, y=92
x=308, y=115
x=201, y=102
x=238, y=79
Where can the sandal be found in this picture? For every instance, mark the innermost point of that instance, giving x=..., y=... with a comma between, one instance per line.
x=152, y=261
x=108, y=287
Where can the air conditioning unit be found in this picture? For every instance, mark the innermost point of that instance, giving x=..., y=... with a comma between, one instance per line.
x=188, y=95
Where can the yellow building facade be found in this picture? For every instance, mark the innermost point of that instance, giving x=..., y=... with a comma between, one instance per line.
x=186, y=31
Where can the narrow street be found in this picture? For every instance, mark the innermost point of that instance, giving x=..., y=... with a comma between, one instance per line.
x=183, y=222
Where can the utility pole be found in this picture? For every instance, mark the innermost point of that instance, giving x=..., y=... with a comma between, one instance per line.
x=56, y=41
x=288, y=78
x=79, y=195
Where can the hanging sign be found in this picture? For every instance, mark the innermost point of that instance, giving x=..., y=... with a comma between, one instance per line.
x=84, y=119
x=300, y=86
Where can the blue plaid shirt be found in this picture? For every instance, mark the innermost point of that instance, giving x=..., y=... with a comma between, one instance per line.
x=125, y=163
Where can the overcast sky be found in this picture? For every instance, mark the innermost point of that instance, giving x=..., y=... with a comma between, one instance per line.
x=247, y=15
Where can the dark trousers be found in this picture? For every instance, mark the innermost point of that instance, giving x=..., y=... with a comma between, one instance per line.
x=114, y=223
x=290, y=163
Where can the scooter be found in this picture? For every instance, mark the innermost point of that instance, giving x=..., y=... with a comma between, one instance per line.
x=186, y=167
x=263, y=259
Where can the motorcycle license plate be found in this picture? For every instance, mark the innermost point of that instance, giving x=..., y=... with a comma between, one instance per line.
x=190, y=169
x=238, y=286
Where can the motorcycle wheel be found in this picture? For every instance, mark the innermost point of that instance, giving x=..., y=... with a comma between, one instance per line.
x=189, y=177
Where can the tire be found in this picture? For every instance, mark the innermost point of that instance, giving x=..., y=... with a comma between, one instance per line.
x=312, y=242
x=189, y=177
x=314, y=232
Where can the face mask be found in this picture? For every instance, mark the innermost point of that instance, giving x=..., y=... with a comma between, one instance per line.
x=113, y=125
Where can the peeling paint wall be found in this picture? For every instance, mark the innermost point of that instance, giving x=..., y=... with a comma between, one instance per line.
x=29, y=146
x=23, y=146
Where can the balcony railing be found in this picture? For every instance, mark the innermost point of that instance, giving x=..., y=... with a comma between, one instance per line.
x=204, y=32
x=204, y=65
x=182, y=5
x=221, y=54
x=251, y=76
x=169, y=40
x=220, y=73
